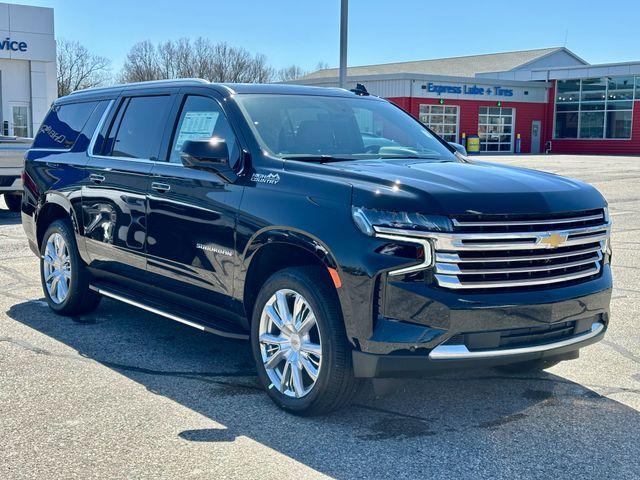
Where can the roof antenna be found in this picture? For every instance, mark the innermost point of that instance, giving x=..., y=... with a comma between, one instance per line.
x=360, y=90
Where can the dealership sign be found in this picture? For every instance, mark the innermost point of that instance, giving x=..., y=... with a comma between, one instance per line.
x=469, y=90
x=12, y=45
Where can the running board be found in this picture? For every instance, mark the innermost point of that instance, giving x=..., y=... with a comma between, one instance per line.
x=125, y=299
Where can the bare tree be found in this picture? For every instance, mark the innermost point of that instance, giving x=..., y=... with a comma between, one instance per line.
x=142, y=64
x=201, y=58
x=78, y=68
x=290, y=73
x=322, y=66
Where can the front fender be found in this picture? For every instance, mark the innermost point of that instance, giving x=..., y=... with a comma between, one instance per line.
x=294, y=238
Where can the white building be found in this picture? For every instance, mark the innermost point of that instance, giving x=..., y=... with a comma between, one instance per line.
x=27, y=67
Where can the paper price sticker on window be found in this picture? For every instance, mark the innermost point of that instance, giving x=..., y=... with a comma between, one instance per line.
x=196, y=125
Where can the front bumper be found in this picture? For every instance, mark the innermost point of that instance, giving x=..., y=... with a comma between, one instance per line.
x=445, y=357
x=441, y=330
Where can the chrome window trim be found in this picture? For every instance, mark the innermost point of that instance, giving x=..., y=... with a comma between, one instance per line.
x=461, y=352
x=96, y=132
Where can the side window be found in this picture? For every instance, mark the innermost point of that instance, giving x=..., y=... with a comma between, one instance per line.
x=63, y=124
x=139, y=132
x=202, y=117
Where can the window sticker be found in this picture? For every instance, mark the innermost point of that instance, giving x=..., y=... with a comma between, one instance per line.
x=196, y=125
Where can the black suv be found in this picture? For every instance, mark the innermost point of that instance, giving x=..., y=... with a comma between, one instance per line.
x=334, y=230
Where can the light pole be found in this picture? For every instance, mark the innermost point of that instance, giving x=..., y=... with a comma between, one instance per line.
x=344, y=23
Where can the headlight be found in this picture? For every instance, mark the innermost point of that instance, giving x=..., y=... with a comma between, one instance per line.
x=399, y=226
x=366, y=219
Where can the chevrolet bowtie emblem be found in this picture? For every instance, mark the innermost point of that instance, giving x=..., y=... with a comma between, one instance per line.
x=553, y=240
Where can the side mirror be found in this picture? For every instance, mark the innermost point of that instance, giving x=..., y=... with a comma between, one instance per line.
x=208, y=154
x=459, y=148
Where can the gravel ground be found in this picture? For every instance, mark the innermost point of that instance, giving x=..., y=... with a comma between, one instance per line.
x=126, y=394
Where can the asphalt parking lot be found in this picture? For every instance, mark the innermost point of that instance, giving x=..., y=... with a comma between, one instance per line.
x=126, y=394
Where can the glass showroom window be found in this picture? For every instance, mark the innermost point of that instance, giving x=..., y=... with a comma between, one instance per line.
x=495, y=129
x=594, y=108
x=442, y=119
x=20, y=121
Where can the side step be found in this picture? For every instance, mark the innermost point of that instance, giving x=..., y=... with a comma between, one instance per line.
x=158, y=309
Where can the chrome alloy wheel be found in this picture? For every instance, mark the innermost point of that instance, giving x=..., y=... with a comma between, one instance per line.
x=56, y=268
x=290, y=343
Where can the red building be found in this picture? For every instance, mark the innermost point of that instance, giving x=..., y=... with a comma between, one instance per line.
x=516, y=102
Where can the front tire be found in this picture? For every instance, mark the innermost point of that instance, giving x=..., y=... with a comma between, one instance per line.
x=300, y=345
x=65, y=280
x=13, y=201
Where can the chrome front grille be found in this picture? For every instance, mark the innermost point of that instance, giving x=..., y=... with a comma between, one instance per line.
x=514, y=251
x=521, y=251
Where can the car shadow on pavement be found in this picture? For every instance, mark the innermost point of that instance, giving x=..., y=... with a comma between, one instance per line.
x=464, y=424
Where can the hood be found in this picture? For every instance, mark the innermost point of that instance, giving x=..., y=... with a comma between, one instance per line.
x=456, y=188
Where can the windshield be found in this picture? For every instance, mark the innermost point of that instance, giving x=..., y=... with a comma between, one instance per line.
x=305, y=127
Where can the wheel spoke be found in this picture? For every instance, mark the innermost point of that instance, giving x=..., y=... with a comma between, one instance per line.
x=286, y=375
x=283, y=307
x=307, y=324
x=48, y=259
x=54, y=281
x=275, y=318
x=298, y=309
x=311, y=370
x=276, y=358
x=270, y=339
x=296, y=373
x=61, y=289
x=312, y=348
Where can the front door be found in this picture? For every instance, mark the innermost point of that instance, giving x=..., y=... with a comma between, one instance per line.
x=114, y=197
x=535, y=136
x=192, y=213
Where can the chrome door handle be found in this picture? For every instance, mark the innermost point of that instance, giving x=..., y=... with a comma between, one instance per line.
x=95, y=178
x=160, y=187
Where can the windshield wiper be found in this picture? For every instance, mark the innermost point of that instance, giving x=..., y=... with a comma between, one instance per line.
x=316, y=158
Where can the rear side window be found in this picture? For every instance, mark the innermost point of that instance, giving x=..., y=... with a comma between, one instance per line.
x=139, y=133
x=63, y=125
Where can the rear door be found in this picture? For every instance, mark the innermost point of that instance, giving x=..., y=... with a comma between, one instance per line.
x=192, y=213
x=114, y=200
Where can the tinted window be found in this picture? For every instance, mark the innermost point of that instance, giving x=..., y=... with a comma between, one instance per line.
x=347, y=128
x=140, y=131
x=202, y=117
x=63, y=125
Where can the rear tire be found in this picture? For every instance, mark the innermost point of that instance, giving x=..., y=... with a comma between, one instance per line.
x=13, y=201
x=287, y=358
x=65, y=280
x=531, y=366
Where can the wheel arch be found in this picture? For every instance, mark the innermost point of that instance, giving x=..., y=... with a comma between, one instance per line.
x=275, y=249
x=55, y=207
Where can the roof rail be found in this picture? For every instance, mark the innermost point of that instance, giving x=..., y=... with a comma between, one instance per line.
x=179, y=81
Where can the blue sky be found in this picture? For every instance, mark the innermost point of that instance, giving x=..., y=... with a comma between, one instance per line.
x=306, y=32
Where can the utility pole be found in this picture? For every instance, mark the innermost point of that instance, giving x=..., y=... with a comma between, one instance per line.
x=344, y=25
